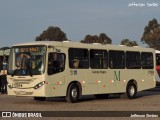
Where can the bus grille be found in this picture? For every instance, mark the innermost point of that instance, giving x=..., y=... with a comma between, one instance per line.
x=23, y=81
x=23, y=93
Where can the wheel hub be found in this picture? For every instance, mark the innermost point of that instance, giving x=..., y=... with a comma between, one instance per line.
x=131, y=91
x=74, y=93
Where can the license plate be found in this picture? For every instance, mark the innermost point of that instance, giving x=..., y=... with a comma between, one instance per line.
x=16, y=85
x=22, y=92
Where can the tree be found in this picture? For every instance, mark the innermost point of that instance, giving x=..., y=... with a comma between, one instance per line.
x=151, y=34
x=90, y=39
x=52, y=34
x=129, y=43
x=102, y=38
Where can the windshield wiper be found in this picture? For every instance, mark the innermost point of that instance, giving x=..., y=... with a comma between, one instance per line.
x=29, y=71
x=27, y=68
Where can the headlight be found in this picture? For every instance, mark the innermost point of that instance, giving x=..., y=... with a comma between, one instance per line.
x=39, y=85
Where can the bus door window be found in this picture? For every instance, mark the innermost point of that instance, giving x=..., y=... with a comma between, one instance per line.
x=60, y=61
x=56, y=63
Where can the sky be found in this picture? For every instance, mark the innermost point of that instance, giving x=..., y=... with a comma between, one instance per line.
x=23, y=20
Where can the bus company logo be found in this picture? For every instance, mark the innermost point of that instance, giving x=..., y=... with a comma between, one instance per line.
x=6, y=114
x=117, y=76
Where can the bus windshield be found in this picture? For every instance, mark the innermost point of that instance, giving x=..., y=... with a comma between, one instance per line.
x=27, y=60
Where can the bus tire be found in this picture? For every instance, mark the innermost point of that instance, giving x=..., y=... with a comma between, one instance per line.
x=39, y=98
x=72, y=93
x=131, y=90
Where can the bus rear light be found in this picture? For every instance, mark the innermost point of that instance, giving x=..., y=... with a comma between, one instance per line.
x=39, y=85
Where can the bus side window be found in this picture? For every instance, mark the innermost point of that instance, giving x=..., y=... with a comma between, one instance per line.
x=98, y=59
x=78, y=58
x=116, y=59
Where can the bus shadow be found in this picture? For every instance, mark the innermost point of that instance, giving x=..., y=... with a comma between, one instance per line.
x=56, y=99
x=62, y=99
x=149, y=92
x=92, y=98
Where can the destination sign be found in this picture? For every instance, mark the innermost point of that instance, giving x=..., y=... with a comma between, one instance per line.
x=27, y=49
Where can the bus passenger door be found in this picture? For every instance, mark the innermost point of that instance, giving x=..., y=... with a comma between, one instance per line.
x=56, y=73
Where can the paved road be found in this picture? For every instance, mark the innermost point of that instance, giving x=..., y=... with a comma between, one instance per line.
x=146, y=101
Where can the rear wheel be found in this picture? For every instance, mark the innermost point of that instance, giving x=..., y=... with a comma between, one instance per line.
x=131, y=90
x=40, y=98
x=72, y=93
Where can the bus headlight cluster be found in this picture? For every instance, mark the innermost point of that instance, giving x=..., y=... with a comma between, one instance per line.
x=39, y=85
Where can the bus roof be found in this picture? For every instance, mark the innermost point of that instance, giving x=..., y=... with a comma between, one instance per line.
x=85, y=45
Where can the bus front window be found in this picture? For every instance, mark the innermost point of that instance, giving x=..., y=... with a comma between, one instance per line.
x=27, y=60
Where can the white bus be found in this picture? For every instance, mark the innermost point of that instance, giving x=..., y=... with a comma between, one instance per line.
x=71, y=69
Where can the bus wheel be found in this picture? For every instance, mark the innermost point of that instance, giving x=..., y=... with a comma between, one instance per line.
x=40, y=98
x=72, y=93
x=131, y=90
x=101, y=96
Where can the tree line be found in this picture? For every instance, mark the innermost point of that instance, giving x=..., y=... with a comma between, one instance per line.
x=151, y=36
